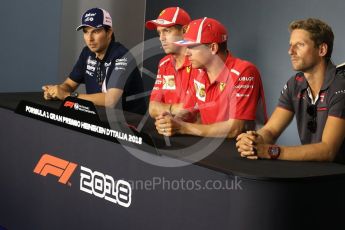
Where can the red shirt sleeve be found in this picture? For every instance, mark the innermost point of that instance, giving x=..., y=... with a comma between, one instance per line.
x=157, y=91
x=245, y=94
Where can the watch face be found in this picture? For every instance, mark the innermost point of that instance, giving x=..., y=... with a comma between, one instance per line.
x=274, y=151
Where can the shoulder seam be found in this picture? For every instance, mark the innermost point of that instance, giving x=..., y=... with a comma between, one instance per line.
x=163, y=62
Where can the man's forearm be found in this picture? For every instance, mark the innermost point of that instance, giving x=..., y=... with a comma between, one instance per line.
x=66, y=87
x=96, y=98
x=157, y=108
x=267, y=136
x=221, y=129
x=312, y=152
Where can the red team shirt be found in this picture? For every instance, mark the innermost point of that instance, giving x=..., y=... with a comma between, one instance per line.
x=172, y=86
x=234, y=94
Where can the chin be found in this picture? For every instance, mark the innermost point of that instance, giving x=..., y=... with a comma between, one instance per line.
x=296, y=67
x=195, y=66
x=167, y=51
x=93, y=49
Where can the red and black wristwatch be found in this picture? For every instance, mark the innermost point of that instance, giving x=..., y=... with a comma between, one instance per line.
x=274, y=151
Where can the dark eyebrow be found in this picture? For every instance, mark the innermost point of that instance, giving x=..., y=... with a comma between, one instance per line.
x=93, y=30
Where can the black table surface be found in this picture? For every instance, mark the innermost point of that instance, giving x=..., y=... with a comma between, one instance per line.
x=224, y=159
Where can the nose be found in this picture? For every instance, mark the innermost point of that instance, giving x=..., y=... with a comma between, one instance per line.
x=88, y=37
x=161, y=37
x=291, y=50
x=91, y=37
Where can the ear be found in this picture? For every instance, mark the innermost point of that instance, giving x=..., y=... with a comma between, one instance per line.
x=110, y=32
x=323, y=48
x=214, y=48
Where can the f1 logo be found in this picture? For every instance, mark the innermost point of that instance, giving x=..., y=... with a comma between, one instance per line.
x=58, y=167
x=69, y=104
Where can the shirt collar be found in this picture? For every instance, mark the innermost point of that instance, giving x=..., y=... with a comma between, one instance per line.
x=301, y=81
x=310, y=95
x=185, y=64
x=330, y=75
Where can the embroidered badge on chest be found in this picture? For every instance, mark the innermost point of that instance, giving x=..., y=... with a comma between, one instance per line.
x=188, y=69
x=169, y=82
x=200, y=90
x=222, y=86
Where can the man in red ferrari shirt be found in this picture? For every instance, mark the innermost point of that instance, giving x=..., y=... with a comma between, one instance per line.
x=174, y=71
x=226, y=93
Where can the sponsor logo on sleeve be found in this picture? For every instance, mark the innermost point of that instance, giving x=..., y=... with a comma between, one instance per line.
x=242, y=95
x=340, y=92
x=158, y=82
x=121, y=63
x=284, y=88
x=244, y=87
x=246, y=78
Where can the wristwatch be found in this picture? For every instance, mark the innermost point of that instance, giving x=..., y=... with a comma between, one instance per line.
x=274, y=151
x=74, y=94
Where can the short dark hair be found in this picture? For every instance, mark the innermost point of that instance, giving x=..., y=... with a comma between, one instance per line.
x=178, y=27
x=223, y=47
x=107, y=28
x=319, y=31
